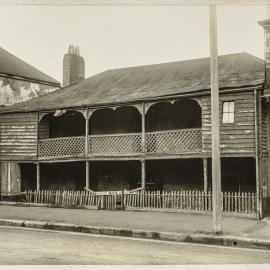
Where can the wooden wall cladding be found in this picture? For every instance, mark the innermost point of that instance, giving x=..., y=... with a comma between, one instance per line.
x=18, y=135
x=238, y=137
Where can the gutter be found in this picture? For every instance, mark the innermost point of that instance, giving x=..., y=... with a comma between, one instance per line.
x=225, y=240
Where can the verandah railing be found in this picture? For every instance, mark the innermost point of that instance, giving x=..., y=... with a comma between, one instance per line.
x=176, y=141
x=243, y=203
x=115, y=144
x=66, y=146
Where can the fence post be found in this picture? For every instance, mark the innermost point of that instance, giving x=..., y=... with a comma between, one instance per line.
x=205, y=175
x=122, y=200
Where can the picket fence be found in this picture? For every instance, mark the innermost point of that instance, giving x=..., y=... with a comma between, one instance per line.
x=73, y=198
x=183, y=200
x=192, y=200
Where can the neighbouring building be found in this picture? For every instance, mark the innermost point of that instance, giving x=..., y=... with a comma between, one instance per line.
x=20, y=81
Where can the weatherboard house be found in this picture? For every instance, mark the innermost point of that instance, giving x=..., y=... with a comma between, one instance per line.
x=146, y=126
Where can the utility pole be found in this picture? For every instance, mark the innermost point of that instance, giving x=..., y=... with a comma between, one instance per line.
x=216, y=169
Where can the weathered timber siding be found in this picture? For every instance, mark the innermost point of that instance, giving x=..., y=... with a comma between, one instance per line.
x=237, y=138
x=267, y=138
x=18, y=135
x=262, y=127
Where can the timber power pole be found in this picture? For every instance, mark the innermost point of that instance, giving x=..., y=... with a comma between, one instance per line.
x=216, y=168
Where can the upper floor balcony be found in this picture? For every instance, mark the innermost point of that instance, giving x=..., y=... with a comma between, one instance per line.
x=162, y=128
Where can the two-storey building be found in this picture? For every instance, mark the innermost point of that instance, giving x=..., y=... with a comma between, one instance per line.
x=147, y=126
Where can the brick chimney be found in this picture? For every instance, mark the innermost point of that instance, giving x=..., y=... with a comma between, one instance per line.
x=73, y=66
x=266, y=26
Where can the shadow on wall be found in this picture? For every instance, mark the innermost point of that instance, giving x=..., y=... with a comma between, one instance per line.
x=28, y=176
x=62, y=176
x=114, y=175
x=161, y=116
x=176, y=174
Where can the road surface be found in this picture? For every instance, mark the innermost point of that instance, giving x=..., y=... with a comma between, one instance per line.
x=32, y=246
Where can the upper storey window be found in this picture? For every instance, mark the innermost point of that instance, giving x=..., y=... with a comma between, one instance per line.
x=228, y=112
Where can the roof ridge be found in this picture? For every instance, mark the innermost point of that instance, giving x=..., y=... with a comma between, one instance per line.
x=253, y=57
x=186, y=60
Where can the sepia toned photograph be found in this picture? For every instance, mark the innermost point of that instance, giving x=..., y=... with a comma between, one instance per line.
x=135, y=133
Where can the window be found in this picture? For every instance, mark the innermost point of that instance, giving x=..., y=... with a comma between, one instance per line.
x=228, y=112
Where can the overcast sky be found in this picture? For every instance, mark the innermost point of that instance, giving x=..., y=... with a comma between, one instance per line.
x=119, y=36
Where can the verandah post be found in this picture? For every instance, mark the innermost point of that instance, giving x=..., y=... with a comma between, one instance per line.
x=143, y=173
x=205, y=175
x=86, y=116
x=143, y=130
x=87, y=165
x=38, y=176
x=143, y=146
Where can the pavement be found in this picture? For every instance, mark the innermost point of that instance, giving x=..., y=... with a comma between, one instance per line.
x=181, y=227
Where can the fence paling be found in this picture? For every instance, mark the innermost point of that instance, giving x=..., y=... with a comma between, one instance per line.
x=71, y=198
x=191, y=200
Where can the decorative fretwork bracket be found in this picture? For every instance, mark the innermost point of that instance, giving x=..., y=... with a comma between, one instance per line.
x=41, y=115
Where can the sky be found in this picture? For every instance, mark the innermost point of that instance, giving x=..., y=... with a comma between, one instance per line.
x=121, y=36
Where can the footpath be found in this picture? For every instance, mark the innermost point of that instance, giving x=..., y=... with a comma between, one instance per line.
x=182, y=227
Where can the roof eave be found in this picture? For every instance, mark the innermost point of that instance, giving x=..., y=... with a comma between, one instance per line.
x=199, y=92
x=15, y=77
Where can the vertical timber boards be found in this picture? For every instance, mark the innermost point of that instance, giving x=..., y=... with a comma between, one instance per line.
x=264, y=147
x=262, y=126
x=238, y=137
x=18, y=135
x=10, y=177
x=267, y=173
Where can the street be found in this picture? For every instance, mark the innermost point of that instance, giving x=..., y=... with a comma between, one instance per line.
x=33, y=246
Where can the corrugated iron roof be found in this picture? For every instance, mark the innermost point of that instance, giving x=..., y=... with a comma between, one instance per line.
x=144, y=82
x=11, y=65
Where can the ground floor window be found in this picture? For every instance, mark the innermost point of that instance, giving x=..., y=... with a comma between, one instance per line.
x=62, y=176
